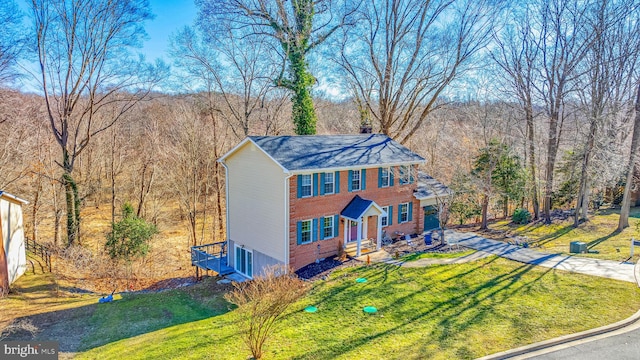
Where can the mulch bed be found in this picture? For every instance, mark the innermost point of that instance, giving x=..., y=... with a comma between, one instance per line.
x=325, y=267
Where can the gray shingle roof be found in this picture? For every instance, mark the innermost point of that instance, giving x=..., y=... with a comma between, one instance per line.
x=335, y=151
x=429, y=187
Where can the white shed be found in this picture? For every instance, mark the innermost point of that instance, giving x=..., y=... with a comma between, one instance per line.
x=13, y=256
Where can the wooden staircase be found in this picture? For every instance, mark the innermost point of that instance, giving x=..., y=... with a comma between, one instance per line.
x=366, y=246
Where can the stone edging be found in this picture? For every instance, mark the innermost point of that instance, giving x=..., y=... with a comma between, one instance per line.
x=563, y=339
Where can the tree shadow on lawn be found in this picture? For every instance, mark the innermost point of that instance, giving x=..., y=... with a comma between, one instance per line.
x=90, y=326
x=555, y=235
x=602, y=239
x=499, y=289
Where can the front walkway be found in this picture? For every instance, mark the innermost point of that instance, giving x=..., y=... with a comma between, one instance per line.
x=595, y=267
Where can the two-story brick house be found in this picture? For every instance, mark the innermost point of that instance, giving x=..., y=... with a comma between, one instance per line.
x=293, y=200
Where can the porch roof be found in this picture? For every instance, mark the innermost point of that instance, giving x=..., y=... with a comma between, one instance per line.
x=359, y=207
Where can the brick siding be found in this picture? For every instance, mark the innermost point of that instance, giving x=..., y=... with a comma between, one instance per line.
x=329, y=205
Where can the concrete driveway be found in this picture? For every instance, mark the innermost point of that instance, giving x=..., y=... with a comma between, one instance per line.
x=595, y=267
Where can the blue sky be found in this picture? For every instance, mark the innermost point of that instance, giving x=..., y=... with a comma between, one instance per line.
x=170, y=16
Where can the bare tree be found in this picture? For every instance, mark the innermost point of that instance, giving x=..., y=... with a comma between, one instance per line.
x=192, y=164
x=296, y=27
x=517, y=56
x=605, y=85
x=240, y=70
x=404, y=54
x=83, y=52
x=564, y=40
x=633, y=158
x=11, y=43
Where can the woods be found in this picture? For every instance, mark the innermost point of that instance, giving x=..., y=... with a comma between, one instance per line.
x=530, y=105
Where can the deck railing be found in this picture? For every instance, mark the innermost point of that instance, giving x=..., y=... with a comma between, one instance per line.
x=202, y=254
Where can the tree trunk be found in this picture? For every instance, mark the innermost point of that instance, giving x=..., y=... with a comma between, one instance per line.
x=532, y=162
x=145, y=187
x=304, y=115
x=485, y=209
x=57, y=220
x=552, y=150
x=73, y=208
x=582, y=201
x=34, y=210
x=112, y=177
x=626, y=199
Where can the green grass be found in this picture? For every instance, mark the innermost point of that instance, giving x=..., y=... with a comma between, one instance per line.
x=599, y=234
x=436, y=255
x=438, y=312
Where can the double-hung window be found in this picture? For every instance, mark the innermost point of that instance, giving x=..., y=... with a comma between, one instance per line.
x=329, y=183
x=405, y=174
x=404, y=212
x=385, y=219
x=384, y=177
x=327, y=227
x=306, y=185
x=305, y=232
x=356, y=180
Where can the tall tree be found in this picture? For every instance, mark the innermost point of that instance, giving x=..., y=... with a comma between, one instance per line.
x=497, y=170
x=236, y=69
x=297, y=27
x=87, y=75
x=633, y=159
x=517, y=56
x=564, y=38
x=604, y=87
x=403, y=54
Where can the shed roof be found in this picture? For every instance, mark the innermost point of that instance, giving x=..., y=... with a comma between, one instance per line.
x=12, y=198
x=314, y=152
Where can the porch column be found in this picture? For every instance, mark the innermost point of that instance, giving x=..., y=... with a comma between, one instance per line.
x=347, y=225
x=359, y=245
x=379, y=233
x=365, y=227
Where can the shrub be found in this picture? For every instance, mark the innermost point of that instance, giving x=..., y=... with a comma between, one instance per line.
x=262, y=302
x=129, y=237
x=521, y=216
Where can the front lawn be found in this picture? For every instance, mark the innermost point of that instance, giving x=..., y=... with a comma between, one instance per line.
x=438, y=255
x=437, y=312
x=599, y=233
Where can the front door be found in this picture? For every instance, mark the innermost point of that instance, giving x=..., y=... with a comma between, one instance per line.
x=244, y=261
x=353, y=235
x=431, y=221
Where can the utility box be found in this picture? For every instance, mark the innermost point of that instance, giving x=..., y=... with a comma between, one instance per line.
x=577, y=247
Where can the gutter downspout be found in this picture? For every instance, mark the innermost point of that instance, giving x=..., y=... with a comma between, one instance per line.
x=226, y=207
x=287, y=220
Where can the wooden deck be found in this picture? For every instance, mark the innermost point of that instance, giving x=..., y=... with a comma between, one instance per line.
x=211, y=257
